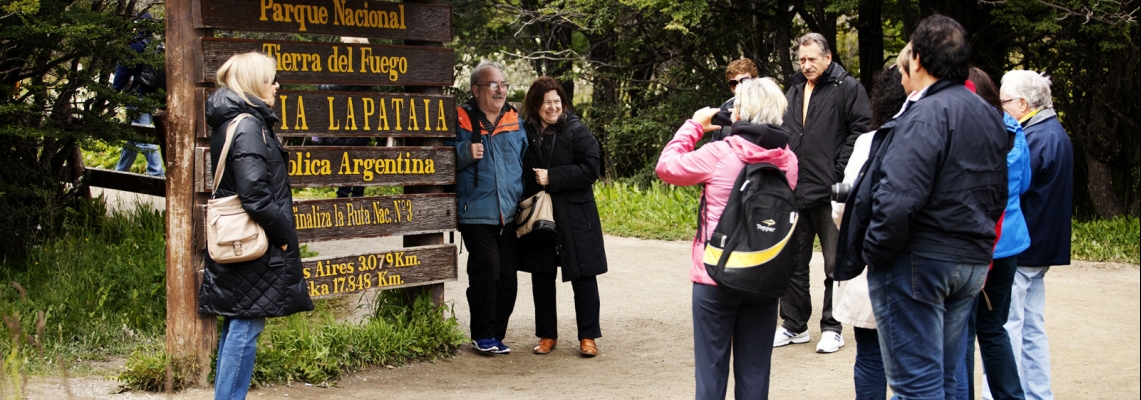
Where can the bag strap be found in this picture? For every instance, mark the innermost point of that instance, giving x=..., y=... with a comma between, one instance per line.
x=226, y=150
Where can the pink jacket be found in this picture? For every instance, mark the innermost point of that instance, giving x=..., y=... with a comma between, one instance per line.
x=717, y=165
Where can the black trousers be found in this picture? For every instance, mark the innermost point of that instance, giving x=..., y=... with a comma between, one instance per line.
x=992, y=308
x=726, y=321
x=491, y=268
x=796, y=304
x=586, y=306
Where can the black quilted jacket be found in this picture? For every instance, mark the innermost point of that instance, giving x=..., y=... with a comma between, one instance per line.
x=256, y=170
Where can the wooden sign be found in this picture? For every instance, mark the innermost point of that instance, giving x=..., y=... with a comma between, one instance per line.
x=331, y=219
x=339, y=63
x=413, y=266
x=362, y=18
x=331, y=166
x=307, y=113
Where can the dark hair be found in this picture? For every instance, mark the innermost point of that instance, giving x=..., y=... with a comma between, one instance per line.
x=941, y=45
x=817, y=38
x=984, y=87
x=534, y=99
x=887, y=96
x=741, y=66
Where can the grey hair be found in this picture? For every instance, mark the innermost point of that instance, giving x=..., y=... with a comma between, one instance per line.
x=1029, y=85
x=484, y=65
x=814, y=38
x=760, y=101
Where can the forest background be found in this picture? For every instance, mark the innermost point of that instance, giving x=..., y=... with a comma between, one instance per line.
x=635, y=68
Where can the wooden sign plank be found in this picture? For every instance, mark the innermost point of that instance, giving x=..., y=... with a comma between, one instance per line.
x=339, y=63
x=319, y=113
x=334, y=166
x=331, y=219
x=362, y=18
x=413, y=266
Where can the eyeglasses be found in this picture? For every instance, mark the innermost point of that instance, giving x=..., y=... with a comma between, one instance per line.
x=1009, y=100
x=733, y=82
x=495, y=86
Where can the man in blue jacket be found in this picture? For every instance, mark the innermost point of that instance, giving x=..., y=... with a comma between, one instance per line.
x=923, y=212
x=1047, y=205
x=490, y=142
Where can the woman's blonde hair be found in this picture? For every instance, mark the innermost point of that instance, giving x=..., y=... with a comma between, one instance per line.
x=248, y=74
x=760, y=101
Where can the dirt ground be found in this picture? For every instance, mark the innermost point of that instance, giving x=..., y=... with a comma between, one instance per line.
x=1093, y=317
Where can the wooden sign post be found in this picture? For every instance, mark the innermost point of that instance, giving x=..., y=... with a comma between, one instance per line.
x=420, y=119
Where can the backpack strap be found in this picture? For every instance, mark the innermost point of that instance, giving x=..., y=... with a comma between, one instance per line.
x=476, y=129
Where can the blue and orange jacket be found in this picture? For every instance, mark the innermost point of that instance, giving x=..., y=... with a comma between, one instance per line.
x=488, y=190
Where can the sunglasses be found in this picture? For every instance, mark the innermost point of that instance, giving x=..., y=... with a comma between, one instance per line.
x=733, y=82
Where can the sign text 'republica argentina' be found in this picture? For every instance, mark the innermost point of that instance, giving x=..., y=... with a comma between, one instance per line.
x=361, y=18
x=335, y=219
x=339, y=63
x=364, y=114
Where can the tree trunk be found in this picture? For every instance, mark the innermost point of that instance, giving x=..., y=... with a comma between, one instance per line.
x=1100, y=185
x=870, y=31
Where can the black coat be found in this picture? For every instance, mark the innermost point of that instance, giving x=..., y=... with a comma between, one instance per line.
x=934, y=184
x=257, y=171
x=573, y=169
x=838, y=112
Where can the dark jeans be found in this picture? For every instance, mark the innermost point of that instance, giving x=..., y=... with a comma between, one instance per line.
x=921, y=307
x=871, y=383
x=989, y=315
x=586, y=306
x=350, y=191
x=725, y=320
x=796, y=304
x=491, y=268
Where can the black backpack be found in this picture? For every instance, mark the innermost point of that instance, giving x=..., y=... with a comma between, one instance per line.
x=150, y=77
x=752, y=249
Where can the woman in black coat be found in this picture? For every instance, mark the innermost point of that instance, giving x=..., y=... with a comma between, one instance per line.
x=563, y=158
x=246, y=293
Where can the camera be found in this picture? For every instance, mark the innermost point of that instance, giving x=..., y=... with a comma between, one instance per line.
x=840, y=191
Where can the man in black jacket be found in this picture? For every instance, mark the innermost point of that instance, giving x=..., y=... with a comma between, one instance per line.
x=922, y=214
x=827, y=110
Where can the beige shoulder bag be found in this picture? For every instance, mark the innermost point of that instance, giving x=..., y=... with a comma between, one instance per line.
x=231, y=235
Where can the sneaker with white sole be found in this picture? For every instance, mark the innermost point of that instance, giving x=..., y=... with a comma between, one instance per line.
x=501, y=348
x=784, y=337
x=485, y=346
x=830, y=342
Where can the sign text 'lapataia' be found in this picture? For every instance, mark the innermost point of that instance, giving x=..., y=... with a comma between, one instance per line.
x=363, y=18
x=389, y=269
x=340, y=63
x=364, y=114
x=328, y=219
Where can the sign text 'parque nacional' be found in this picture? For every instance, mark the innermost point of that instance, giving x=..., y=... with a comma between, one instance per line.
x=389, y=269
x=364, y=114
x=339, y=63
x=360, y=18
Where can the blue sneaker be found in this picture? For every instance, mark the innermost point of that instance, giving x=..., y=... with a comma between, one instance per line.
x=503, y=349
x=489, y=346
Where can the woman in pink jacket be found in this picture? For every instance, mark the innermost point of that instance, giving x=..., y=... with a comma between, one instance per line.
x=725, y=320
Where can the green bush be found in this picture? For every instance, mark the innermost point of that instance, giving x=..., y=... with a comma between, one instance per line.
x=149, y=368
x=1117, y=240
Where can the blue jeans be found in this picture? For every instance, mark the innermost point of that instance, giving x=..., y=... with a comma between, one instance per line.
x=871, y=383
x=1027, y=328
x=921, y=306
x=236, y=350
x=128, y=154
x=724, y=322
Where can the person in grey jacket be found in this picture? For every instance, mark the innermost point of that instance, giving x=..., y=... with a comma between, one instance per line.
x=246, y=293
x=827, y=110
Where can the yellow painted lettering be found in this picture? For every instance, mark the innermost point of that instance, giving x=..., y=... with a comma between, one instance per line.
x=333, y=125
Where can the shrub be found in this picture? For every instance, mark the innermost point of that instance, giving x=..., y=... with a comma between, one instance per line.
x=1117, y=240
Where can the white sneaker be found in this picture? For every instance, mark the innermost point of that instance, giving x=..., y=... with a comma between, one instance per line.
x=830, y=342
x=784, y=337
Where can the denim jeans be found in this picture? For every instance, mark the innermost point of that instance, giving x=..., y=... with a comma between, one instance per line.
x=236, y=350
x=796, y=304
x=128, y=154
x=871, y=383
x=921, y=306
x=1027, y=328
x=727, y=321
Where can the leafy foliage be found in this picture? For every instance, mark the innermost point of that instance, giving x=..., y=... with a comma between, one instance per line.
x=657, y=211
x=1117, y=240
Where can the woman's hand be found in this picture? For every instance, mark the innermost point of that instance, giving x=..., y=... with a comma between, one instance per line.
x=541, y=176
x=284, y=247
x=704, y=117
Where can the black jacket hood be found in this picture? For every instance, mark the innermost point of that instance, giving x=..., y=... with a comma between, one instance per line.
x=767, y=136
x=224, y=105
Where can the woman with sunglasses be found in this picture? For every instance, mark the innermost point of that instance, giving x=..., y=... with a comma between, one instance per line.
x=246, y=293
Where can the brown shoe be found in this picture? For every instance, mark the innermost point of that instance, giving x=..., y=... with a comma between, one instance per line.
x=588, y=348
x=545, y=346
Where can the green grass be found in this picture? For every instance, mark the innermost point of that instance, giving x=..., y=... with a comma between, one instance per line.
x=1117, y=240
x=660, y=211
